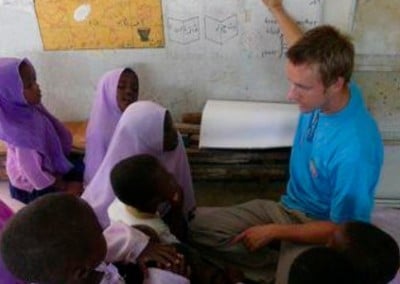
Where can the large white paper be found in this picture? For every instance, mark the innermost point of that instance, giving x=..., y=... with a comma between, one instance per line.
x=247, y=125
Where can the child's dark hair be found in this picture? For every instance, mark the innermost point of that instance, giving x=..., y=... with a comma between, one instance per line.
x=321, y=265
x=49, y=237
x=134, y=180
x=373, y=253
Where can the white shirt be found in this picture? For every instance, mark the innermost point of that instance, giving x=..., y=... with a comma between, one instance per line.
x=117, y=212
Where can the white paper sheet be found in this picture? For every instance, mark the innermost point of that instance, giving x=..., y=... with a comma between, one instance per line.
x=247, y=125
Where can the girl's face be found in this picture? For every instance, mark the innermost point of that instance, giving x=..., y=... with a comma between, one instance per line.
x=31, y=88
x=127, y=89
x=168, y=188
x=170, y=133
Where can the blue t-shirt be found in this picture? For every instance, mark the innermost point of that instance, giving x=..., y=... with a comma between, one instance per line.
x=335, y=163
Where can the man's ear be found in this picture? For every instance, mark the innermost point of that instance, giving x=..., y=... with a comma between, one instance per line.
x=338, y=85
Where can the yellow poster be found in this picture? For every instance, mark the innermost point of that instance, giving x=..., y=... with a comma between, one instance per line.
x=99, y=24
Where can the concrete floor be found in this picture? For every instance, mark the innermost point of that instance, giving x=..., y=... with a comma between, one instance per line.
x=220, y=193
x=224, y=193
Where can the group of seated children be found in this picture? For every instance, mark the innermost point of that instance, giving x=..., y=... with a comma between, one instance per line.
x=79, y=246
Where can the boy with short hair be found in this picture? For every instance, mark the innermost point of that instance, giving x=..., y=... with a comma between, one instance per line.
x=141, y=184
x=58, y=239
x=372, y=252
x=321, y=265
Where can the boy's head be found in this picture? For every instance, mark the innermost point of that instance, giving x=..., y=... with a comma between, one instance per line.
x=127, y=88
x=373, y=253
x=142, y=182
x=54, y=239
x=321, y=265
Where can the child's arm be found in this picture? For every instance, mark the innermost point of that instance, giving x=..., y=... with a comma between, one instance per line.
x=126, y=244
x=30, y=164
x=175, y=218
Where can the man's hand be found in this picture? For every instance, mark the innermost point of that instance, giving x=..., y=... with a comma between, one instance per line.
x=272, y=4
x=164, y=256
x=316, y=232
x=256, y=237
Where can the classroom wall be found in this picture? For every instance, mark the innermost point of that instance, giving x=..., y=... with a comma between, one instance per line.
x=183, y=77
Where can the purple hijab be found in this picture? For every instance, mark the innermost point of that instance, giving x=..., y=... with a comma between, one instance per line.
x=139, y=131
x=30, y=126
x=102, y=122
x=5, y=276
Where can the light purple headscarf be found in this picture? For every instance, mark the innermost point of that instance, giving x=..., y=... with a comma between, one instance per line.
x=5, y=275
x=139, y=131
x=102, y=122
x=30, y=126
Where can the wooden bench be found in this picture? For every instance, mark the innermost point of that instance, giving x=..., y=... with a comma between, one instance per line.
x=77, y=128
x=206, y=164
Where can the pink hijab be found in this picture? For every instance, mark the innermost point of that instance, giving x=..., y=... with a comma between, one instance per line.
x=102, y=122
x=140, y=130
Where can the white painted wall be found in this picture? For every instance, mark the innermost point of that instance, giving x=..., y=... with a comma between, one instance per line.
x=389, y=185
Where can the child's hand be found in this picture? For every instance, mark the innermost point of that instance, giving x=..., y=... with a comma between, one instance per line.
x=177, y=198
x=74, y=188
x=181, y=267
x=164, y=256
x=60, y=185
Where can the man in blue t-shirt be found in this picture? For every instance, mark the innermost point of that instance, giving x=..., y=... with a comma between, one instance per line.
x=335, y=162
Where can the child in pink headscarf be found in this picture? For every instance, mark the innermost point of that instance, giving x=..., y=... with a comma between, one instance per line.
x=115, y=91
x=38, y=144
x=144, y=128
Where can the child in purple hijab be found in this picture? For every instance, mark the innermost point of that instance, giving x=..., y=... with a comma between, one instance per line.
x=144, y=128
x=5, y=275
x=38, y=144
x=115, y=91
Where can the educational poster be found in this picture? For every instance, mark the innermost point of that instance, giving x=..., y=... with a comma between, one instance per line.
x=100, y=24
